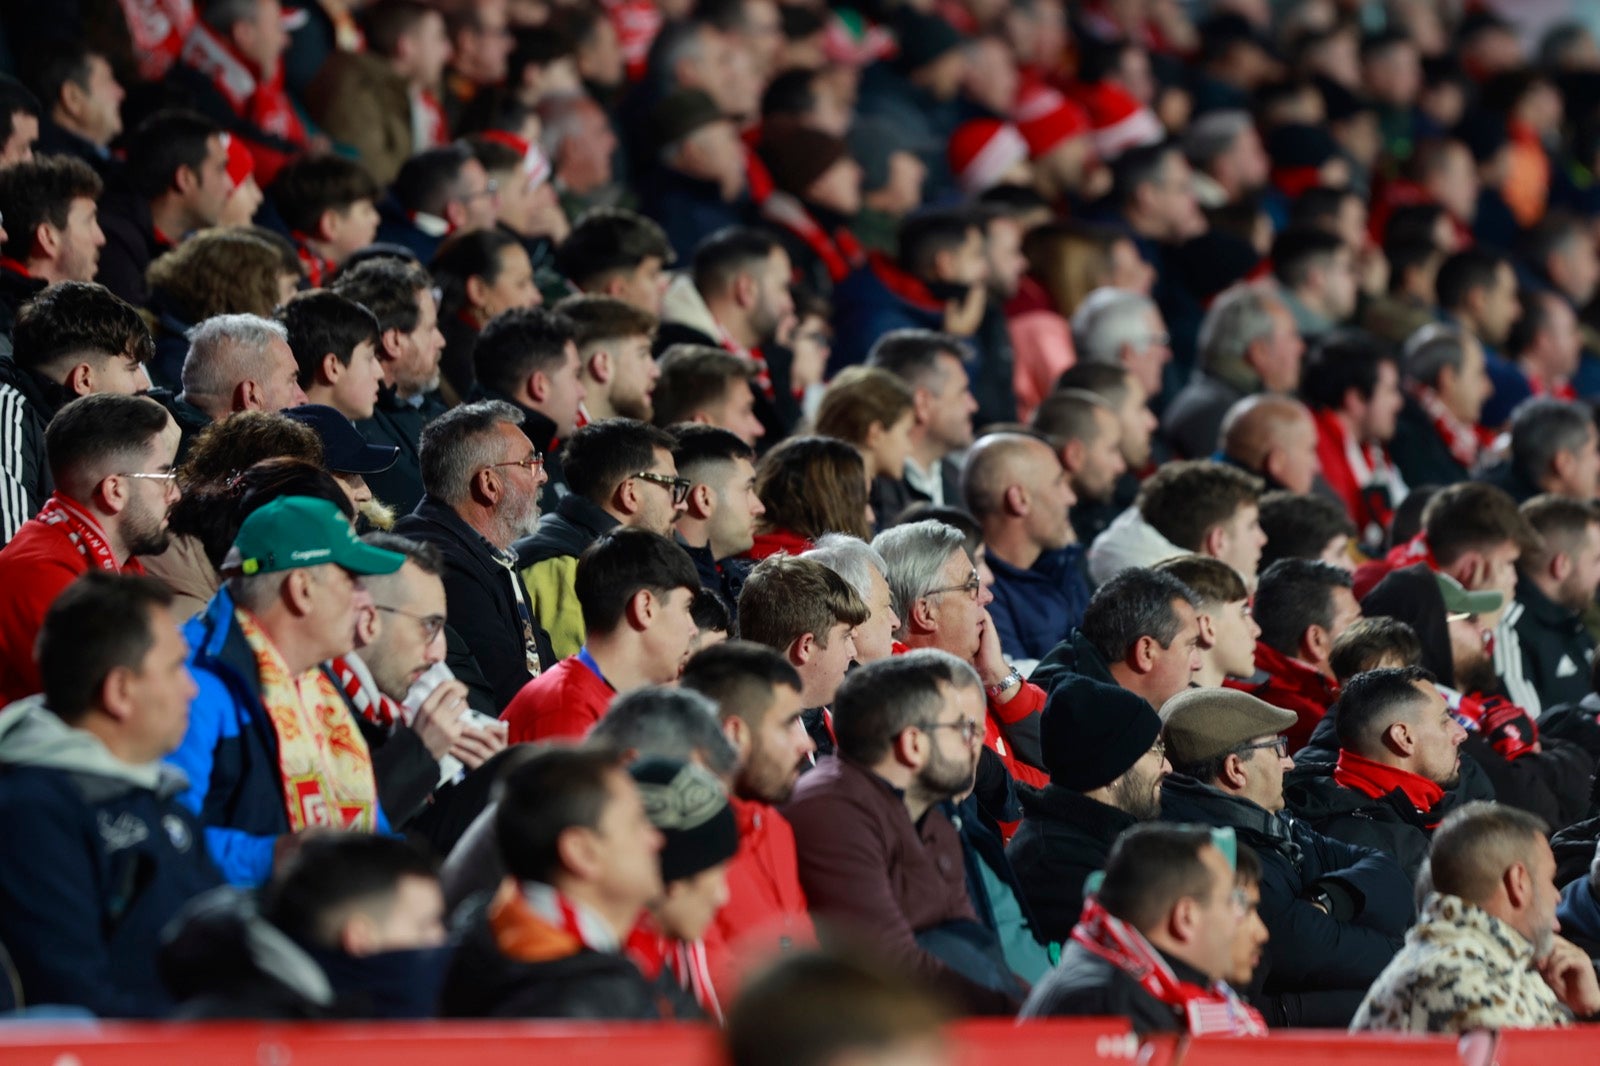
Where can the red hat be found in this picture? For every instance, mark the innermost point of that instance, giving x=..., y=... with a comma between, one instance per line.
x=535, y=164
x=1045, y=118
x=240, y=163
x=982, y=150
x=1120, y=121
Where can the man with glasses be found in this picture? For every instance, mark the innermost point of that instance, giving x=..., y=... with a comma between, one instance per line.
x=438, y=192
x=880, y=862
x=620, y=473
x=111, y=459
x=1336, y=912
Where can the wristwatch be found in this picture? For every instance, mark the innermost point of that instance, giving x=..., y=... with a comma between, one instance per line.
x=1321, y=898
x=1005, y=684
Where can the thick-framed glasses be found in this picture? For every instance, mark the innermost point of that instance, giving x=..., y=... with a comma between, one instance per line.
x=432, y=624
x=1278, y=744
x=678, y=486
x=530, y=464
x=968, y=729
x=971, y=587
x=170, y=477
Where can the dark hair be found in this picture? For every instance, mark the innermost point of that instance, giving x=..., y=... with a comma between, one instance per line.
x=1138, y=166
x=1542, y=428
x=1069, y=415
x=1341, y=361
x=311, y=185
x=1151, y=867
x=621, y=564
x=728, y=253
x=1298, y=249
x=97, y=428
x=1318, y=208
x=812, y=486
x=385, y=22
x=1102, y=379
x=516, y=343
x=15, y=99
x=597, y=457
x=388, y=288
x=1183, y=500
x=912, y=355
x=41, y=191
x=224, y=270
x=878, y=701
x=694, y=376
x=1368, y=642
x=474, y=254
x=1371, y=701
x=1300, y=526
x=427, y=180
x=557, y=788
x=1534, y=320
x=923, y=236
x=1472, y=268
x=791, y=95
x=164, y=143
x=333, y=876
x=1412, y=224
x=1293, y=595
x=604, y=318
x=697, y=446
x=739, y=676
x=1476, y=843
x=1135, y=603
x=73, y=320
x=785, y=597
x=222, y=450
x=709, y=612
x=322, y=323
x=99, y=623
x=607, y=241
x=49, y=65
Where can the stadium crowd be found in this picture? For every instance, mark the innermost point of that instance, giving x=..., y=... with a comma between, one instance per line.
x=813, y=518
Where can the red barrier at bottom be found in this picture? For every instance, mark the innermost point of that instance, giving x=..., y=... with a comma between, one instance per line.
x=1548, y=1047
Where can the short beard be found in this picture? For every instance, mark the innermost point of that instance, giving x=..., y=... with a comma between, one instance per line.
x=1135, y=794
x=1476, y=676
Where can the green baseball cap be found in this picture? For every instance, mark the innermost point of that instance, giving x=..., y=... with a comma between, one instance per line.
x=298, y=531
x=1460, y=602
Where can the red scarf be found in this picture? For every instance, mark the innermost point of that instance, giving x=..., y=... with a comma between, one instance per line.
x=435, y=130
x=839, y=251
x=84, y=534
x=1464, y=441
x=371, y=704
x=15, y=266
x=637, y=22
x=264, y=103
x=1360, y=473
x=653, y=952
x=317, y=268
x=158, y=28
x=1376, y=780
x=1217, y=1009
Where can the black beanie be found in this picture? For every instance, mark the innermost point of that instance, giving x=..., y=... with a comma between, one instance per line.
x=1092, y=733
x=690, y=809
x=923, y=38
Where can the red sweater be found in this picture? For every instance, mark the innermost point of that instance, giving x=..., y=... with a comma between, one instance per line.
x=564, y=701
x=1294, y=686
x=766, y=909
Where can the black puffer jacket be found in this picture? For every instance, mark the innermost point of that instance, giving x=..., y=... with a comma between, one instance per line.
x=1389, y=823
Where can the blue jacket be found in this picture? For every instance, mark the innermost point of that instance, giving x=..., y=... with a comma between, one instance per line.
x=96, y=858
x=690, y=209
x=869, y=303
x=230, y=752
x=1038, y=608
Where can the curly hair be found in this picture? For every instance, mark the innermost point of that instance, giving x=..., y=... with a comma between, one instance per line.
x=240, y=441
x=218, y=272
x=812, y=486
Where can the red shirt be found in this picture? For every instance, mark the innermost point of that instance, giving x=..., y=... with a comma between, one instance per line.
x=766, y=909
x=1294, y=686
x=564, y=701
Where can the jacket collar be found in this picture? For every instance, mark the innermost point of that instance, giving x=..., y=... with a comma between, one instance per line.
x=1056, y=804
x=1185, y=798
x=1545, y=610
x=585, y=514
x=31, y=735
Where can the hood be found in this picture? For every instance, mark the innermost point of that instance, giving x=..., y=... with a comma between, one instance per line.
x=1411, y=594
x=1128, y=541
x=46, y=396
x=219, y=944
x=30, y=735
x=684, y=305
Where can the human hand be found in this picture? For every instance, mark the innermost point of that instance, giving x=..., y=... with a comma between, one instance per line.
x=1569, y=972
x=478, y=744
x=963, y=317
x=438, y=721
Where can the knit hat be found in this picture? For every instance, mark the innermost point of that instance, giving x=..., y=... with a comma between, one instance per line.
x=1092, y=733
x=1045, y=118
x=923, y=39
x=798, y=155
x=873, y=142
x=690, y=809
x=1203, y=723
x=982, y=150
x=681, y=113
x=1120, y=122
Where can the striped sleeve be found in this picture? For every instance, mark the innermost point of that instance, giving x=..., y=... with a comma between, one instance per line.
x=15, y=505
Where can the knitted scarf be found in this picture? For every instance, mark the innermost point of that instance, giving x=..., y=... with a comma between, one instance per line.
x=652, y=951
x=1464, y=441
x=1374, y=780
x=158, y=28
x=369, y=703
x=84, y=534
x=263, y=102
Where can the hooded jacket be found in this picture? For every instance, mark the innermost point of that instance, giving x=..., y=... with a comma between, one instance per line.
x=1545, y=651
x=97, y=856
x=548, y=561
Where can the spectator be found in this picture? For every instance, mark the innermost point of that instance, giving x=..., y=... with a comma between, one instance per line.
x=1166, y=908
x=860, y=564
x=1085, y=430
x=1437, y=440
x=329, y=204
x=1124, y=329
x=620, y=473
x=82, y=100
x=1230, y=162
x=613, y=252
x=116, y=696
x=1335, y=912
x=480, y=274
x=615, y=366
x=347, y=455
x=72, y=340
x=697, y=185
x=702, y=383
x=1103, y=752
x=1273, y=437
x=400, y=296
x=809, y=486
x=237, y=362
x=335, y=344
x=579, y=143
x=1248, y=342
x=1150, y=188
x=634, y=588
x=717, y=525
x=1021, y=496
x=1316, y=277
x=892, y=178
x=19, y=122
x=1228, y=631
x=1352, y=386
x=259, y=752
x=438, y=191
x=177, y=181
x=872, y=410
x=1544, y=346
x=934, y=366
x=1193, y=506
x=111, y=460
x=483, y=480
x=1557, y=576
x=1471, y=532
x=817, y=192
x=1493, y=901
x=871, y=817
x=1305, y=527
x=526, y=357
x=1553, y=450
x=808, y=613
x=917, y=90
x=1478, y=291
x=1120, y=388
x=52, y=228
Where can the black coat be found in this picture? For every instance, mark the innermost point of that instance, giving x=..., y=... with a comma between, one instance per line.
x=27, y=403
x=1552, y=650
x=1192, y=422
x=1389, y=823
x=1065, y=836
x=1419, y=451
x=1075, y=655
x=1319, y=964
x=1083, y=985
x=892, y=495
x=399, y=423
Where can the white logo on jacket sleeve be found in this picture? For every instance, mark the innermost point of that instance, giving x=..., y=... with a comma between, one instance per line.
x=124, y=831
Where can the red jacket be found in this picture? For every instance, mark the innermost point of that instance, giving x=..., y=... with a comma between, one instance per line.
x=1294, y=686
x=766, y=909
x=1027, y=702
x=564, y=701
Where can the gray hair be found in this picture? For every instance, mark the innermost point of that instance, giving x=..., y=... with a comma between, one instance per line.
x=1238, y=318
x=668, y=723
x=560, y=119
x=1108, y=320
x=1541, y=429
x=1432, y=348
x=224, y=352
x=459, y=443
x=1212, y=134
x=852, y=559
x=913, y=555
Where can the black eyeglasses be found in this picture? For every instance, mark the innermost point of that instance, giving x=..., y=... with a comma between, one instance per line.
x=971, y=587
x=1281, y=744
x=968, y=729
x=678, y=486
x=432, y=624
x=530, y=464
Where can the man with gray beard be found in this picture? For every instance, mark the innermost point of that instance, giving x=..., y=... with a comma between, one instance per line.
x=1106, y=765
x=482, y=477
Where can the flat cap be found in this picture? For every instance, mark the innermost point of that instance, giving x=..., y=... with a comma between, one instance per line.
x=1203, y=723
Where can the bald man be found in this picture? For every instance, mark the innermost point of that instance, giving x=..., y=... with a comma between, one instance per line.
x=1274, y=438
x=1016, y=487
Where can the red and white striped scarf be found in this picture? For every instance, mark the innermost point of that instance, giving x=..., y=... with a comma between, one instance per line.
x=653, y=952
x=85, y=534
x=363, y=693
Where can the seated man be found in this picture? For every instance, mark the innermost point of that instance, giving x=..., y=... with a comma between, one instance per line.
x=1399, y=751
x=1228, y=633
x=615, y=365
x=1305, y=527
x=271, y=748
x=1336, y=912
x=1545, y=647
x=1198, y=506
x=335, y=344
x=1553, y=445
x=880, y=862
x=1437, y=440
x=526, y=357
x=1484, y=954
x=699, y=383
x=1085, y=429
x=1301, y=608
x=82, y=908
x=1106, y=762
x=329, y=204
x=635, y=588
x=111, y=457
x=934, y=366
x=620, y=473
x=615, y=252
x=235, y=363
x=719, y=515
x=1352, y=386
x=1274, y=438
x=860, y=564
x=1156, y=940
